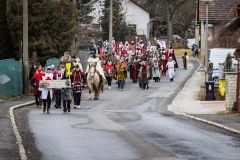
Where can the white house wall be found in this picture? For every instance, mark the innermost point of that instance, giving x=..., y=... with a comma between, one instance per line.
x=133, y=15
x=136, y=15
x=97, y=11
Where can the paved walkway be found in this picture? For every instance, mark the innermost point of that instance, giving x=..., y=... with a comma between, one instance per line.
x=213, y=112
x=8, y=145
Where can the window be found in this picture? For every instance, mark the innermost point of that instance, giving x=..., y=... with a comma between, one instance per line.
x=96, y=27
x=132, y=29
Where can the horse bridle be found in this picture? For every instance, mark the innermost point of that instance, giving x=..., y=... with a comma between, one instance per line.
x=93, y=64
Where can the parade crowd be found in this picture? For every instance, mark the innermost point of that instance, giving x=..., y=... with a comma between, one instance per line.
x=136, y=61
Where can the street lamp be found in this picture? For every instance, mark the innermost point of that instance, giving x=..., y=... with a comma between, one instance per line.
x=209, y=85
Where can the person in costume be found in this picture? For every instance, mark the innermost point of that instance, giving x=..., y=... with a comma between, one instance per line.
x=95, y=59
x=78, y=62
x=66, y=95
x=171, y=68
x=32, y=71
x=185, y=58
x=58, y=92
x=172, y=54
x=77, y=82
x=134, y=71
x=143, y=75
x=98, y=63
x=163, y=65
x=109, y=69
x=120, y=75
x=47, y=93
x=156, y=71
x=37, y=77
x=66, y=58
x=53, y=70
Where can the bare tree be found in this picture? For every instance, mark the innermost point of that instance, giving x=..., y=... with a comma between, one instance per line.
x=171, y=7
x=174, y=11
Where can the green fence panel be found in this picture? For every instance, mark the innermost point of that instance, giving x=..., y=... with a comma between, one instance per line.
x=54, y=61
x=11, y=75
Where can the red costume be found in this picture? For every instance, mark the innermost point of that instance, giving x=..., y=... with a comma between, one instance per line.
x=37, y=78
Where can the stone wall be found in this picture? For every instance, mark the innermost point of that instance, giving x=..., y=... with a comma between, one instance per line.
x=231, y=86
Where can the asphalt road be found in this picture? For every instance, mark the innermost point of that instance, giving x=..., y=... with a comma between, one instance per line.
x=133, y=124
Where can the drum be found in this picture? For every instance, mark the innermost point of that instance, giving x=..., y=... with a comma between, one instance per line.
x=77, y=88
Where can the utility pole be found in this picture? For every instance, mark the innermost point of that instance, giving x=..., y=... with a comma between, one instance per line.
x=25, y=47
x=110, y=28
x=206, y=36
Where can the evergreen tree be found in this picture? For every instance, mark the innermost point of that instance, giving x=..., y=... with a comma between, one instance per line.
x=84, y=8
x=120, y=29
x=85, y=34
x=52, y=25
x=5, y=40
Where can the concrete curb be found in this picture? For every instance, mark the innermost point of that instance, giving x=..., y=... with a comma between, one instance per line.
x=15, y=129
x=235, y=131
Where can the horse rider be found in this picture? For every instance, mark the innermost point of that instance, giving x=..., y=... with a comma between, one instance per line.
x=99, y=69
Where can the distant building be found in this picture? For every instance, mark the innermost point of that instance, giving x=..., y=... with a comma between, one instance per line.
x=220, y=13
x=137, y=18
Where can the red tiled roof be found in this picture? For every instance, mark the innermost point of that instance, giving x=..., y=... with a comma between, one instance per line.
x=218, y=10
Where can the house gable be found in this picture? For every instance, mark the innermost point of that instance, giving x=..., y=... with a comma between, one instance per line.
x=218, y=11
x=134, y=14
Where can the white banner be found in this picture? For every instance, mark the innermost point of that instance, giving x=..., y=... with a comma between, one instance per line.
x=66, y=83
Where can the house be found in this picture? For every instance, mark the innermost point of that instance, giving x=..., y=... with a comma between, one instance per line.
x=223, y=33
x=220, y=13
x=136, y=17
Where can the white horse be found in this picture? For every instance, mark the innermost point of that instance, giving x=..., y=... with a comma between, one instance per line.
x=93, y=81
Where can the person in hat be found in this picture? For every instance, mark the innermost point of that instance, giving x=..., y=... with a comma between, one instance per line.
x=66, y=58
x=120, y=77
x=78, y=62
x=47, y=93
x=143, y=75
x=58, y=92
x=185, y=58
x=109, y=69
x=77, y=82
x=156, y=71
x=37, y=77
x=163, y=66
x=171, y=68
x=66, y=95
x=172, y=54
x=95, y=59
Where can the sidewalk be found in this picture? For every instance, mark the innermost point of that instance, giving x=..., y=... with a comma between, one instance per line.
x=8, y=146
x=186, y=103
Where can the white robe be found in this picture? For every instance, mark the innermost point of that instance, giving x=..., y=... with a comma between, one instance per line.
x=79, y=64
x=45, y=90
x=170, y=66
x=98, y=67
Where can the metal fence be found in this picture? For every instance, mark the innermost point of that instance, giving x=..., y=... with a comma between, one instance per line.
x=83, y=55
x=217, y=74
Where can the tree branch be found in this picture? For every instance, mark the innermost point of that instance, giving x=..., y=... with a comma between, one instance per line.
x=177, y=5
